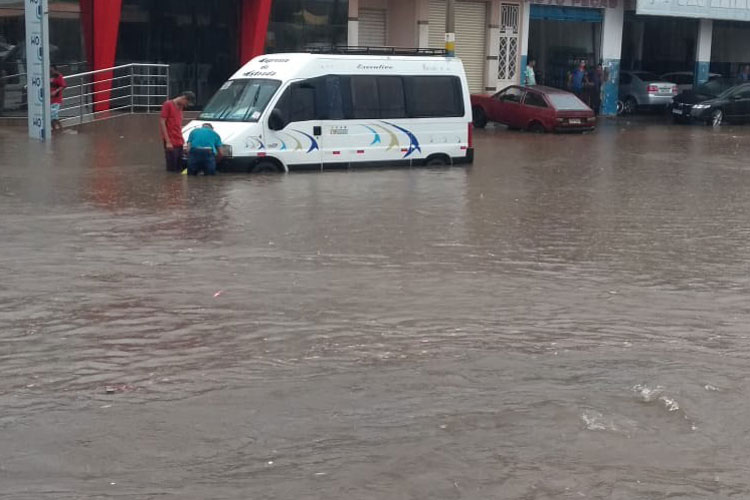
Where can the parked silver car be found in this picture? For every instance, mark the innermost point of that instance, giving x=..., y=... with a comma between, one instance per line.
x=644, y=90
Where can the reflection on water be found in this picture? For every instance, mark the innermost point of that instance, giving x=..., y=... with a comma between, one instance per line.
x=564, y=319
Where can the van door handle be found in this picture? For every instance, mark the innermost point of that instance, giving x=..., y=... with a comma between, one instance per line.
x=317, y=130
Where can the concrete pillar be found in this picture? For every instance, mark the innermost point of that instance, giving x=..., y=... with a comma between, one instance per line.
x=101, y=21
x=423, y=24
x=639, y=28
x=524, y=35
x=352, y=38
x=493, y=46
x=611, y=53
x=254, y=28
x=703, y=51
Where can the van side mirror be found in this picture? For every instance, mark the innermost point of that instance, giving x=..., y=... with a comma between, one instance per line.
x=276, y=120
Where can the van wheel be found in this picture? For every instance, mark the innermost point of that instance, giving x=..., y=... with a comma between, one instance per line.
x=266, y=167
x=437, y=161
x=480, y=118
x=536, y=128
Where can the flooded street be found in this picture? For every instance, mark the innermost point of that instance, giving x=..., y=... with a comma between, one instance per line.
x=566, y=318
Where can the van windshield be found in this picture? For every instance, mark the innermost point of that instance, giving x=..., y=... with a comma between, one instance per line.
x=240, y=100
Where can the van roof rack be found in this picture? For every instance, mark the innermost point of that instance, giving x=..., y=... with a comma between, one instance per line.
x=377, y=51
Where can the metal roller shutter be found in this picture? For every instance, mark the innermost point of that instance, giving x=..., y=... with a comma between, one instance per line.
x=371, y=27
x=471, y=28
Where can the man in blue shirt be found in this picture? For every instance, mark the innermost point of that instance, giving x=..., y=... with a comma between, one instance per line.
x=578, y=79
x=204, y=150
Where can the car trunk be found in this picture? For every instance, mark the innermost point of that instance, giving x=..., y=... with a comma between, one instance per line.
x=575, y=118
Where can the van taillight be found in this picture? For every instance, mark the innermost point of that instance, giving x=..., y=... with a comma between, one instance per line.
x=471, y=135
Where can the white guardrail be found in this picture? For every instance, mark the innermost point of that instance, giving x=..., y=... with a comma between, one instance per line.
x=104, y=93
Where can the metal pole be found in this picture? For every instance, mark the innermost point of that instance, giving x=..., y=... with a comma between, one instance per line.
x=168, y=84
x=450, y=28
x=37, y=69
x=148, y=89
x=81, y=102
x=132, y=91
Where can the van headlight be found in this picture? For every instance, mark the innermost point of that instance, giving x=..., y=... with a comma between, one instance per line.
x=226, y=150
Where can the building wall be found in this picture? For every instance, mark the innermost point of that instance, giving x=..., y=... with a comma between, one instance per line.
x=402, y=23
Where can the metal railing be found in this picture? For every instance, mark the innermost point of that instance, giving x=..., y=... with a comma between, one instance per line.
x=13, y=91
x=105, y=93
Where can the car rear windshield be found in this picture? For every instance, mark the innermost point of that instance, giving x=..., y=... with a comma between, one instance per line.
x=240, y=100
x=566, y=102
x=648, y=77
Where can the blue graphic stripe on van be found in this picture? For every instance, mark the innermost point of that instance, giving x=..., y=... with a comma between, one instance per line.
x=413, y=142
x=313, y=142
x=254, y=143
x=376, y=139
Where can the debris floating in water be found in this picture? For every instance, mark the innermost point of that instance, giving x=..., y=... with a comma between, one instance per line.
x=219, y=293
x=113, y=389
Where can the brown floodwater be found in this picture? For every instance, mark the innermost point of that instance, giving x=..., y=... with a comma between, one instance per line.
x=566, y=318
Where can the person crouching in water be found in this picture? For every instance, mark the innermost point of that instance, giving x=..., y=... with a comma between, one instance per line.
x=204, y=150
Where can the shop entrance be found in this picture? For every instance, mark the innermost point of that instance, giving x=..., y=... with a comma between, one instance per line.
x=730, y=49
x=659, y=44
x=561, y=37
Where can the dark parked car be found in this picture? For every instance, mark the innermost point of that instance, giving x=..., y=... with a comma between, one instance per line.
x=536, y=108
x=683, y=103
x=732, y=105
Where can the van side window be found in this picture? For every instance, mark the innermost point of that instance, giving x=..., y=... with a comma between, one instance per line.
x=392, y=98
x=434, y=96
x=298, y=102
x=365, y=101
x=333, y=95
x=378, y=97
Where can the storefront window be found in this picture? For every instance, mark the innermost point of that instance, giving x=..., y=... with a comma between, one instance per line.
x=66, y=48
x=306, y=24
x=197, y=38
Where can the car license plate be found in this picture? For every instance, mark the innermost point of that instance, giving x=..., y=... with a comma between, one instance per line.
x=574, y=121
x=676, y=111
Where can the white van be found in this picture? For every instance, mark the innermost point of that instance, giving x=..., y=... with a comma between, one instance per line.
x=284, y=112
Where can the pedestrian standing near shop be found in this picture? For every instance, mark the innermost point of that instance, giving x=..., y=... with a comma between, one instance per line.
x=577, y=79
x=529, y=77
x=170, y=127
x=597, y=80
x=204, y=150
x=57, y=86
x=744, y=75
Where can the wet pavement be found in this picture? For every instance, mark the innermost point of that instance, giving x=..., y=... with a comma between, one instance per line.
x=568, y=318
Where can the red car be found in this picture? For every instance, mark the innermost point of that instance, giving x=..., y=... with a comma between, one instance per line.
x=537, y=109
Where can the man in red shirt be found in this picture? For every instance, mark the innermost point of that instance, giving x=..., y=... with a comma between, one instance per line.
x=57, y=85
x=170, y=125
